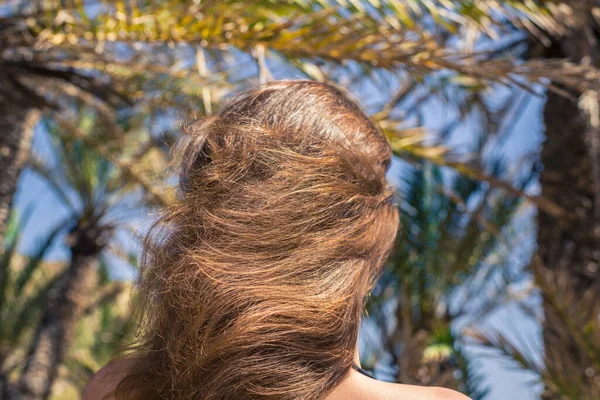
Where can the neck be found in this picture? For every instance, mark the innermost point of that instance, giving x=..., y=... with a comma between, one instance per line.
x=356, y=355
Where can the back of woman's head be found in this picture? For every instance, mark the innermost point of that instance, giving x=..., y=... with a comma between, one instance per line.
x=253, y=281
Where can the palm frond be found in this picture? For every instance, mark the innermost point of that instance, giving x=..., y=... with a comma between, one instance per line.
x=339, y=33
x=13, y=236
x=35, y=260
x=573, y=340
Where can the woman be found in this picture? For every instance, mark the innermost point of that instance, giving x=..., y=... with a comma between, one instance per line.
x=254, y=280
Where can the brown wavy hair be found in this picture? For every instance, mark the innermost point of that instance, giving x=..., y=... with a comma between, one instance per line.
x=253, y=281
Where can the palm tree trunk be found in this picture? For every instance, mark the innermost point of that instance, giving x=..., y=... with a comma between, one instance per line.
x=569, y=248
x=16, y=132
x=55, y=330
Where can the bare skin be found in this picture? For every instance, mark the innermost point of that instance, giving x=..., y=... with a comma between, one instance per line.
x=355, y=387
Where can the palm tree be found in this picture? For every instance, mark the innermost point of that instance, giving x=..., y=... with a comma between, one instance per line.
x=24, y=284
x=568, y=247
x=146, y=51
x=98, y=197
x=453, y=246
x=30, y=82
x=567, y=260
x=17, y=127
x=27, y=283
x=106, y=327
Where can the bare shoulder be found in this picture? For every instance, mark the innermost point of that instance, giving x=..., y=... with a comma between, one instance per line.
x=409, y=392
x=447, y=394
x=105, y=380
x=360, y=387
